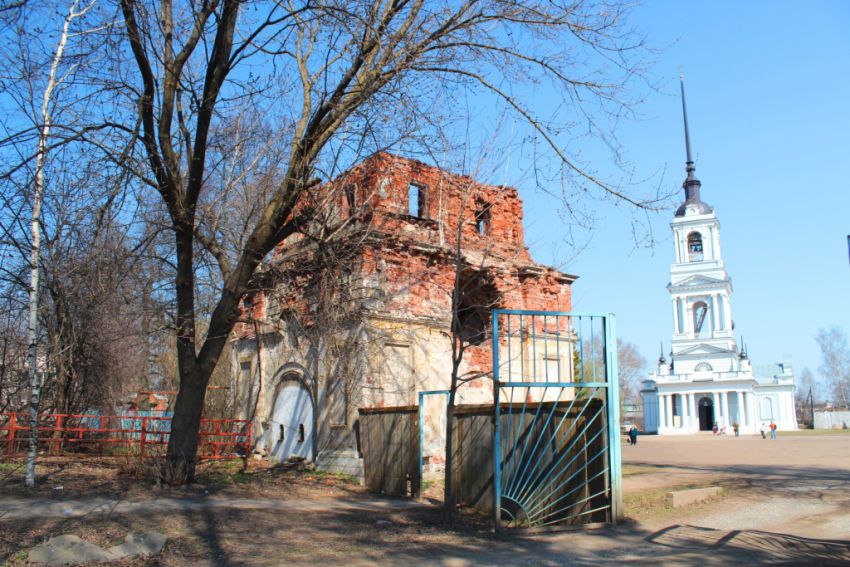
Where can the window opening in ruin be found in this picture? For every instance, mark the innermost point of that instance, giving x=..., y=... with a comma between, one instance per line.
x=695, y=247
x=482, y=219
x=281, y=430
x=416, y=201
x=350, y=199
x=300, y=432
x=478, y=296
x=248, y=302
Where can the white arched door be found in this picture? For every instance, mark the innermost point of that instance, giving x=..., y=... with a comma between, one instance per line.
x=292, y=424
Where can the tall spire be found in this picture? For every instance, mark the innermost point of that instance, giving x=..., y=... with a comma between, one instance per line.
x=691, y=184
x=689, y=164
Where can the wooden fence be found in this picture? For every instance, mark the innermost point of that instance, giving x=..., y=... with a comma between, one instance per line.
x=390, y=444
x=389, y=439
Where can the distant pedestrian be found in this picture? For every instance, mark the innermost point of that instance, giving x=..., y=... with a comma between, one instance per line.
x=735, y=428
x=633, y=432
x=714, y=429
x=773, y=429
x=763, y=436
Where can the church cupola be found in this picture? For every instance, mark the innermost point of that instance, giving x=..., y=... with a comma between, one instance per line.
x=693, y=204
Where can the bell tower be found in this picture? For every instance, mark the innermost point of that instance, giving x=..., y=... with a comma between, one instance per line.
x=699, y=287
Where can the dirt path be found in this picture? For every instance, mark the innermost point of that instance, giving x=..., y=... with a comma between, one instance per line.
x=234, y=531
x=797, y=485
x=27, y=508
x=787, y=502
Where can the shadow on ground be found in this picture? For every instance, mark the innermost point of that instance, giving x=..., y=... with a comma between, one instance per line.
x=415, y=535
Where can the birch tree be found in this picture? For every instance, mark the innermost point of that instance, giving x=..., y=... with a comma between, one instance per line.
x=76, y=11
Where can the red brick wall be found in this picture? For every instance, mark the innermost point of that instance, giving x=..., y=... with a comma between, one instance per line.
x=406, y=258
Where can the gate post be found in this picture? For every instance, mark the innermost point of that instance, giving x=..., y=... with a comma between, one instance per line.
x=613, y=401
x=497, y=431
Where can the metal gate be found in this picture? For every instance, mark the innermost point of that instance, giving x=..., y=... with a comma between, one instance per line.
x=556, y=439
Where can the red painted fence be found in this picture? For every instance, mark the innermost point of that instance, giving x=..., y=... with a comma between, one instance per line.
x=64, y=433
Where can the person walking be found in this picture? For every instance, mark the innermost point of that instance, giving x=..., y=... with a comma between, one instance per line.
x=735, y=428
x=633, y=433
x=714, y=429
x=772, y=429
x=761, y=428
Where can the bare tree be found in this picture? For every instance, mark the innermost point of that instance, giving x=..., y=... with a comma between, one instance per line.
x=336, y=77
x=631, y=366
x=54, y=78
x=835, y=363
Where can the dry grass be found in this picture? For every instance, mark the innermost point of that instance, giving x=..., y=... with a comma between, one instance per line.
x=653, y=504
x=220, y=536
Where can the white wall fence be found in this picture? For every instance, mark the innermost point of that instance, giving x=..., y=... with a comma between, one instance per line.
x=832, y=419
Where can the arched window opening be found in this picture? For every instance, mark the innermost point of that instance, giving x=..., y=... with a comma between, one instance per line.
x=478, y=295
x=281, y=430
x=695, y=247
x=300, y=432
x=767, y=409
x=700, y=311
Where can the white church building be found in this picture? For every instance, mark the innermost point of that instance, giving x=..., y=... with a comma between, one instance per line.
x=708, y=379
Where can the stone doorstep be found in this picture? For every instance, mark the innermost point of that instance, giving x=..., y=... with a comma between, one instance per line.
x=341, y=462
x=72, y=550
x=679, y=498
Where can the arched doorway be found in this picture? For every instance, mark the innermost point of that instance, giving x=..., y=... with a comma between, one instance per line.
x=706, y=414
x=292, y=423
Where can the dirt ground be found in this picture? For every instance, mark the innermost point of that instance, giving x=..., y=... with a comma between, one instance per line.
x=796, y=484
x=784, y=502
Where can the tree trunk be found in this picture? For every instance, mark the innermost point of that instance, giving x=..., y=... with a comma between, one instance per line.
x=196, y=368
x=449, y=488
x=35, y=255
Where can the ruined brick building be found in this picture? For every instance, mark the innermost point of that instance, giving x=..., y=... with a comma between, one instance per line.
x=360, y=315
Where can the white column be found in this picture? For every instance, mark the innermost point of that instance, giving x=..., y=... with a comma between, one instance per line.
x=675, y=316
x=742, y=410
x=725, y=401
x=717, y=417
x=662, y=412
x=751, y=409
x=668, y=408
x=789, y=421
x=793, y=411
x=692, y=408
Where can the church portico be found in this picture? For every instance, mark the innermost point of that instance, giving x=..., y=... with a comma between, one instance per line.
x=690, y=408
x=709, y=379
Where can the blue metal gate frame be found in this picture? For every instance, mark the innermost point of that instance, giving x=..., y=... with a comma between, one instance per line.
x=609, y=383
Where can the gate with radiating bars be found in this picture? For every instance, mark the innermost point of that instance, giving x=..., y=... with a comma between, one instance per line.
x=556, y=443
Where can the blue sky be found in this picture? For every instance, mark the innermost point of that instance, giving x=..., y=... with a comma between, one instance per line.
x=768, y=88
